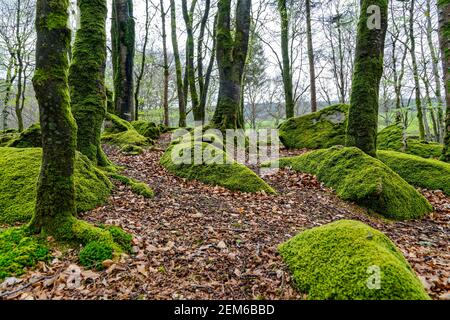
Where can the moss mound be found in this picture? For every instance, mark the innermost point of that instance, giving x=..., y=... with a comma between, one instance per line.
x=391, y=137
x=233, y=176
x=19, y=251
x=122, y=134
x=19, y=171
x=147, y=129
x=425, y=173
x=94, y=253
x=365, y=180
x=30, y=138
x=339, y=261
x=322, y=129
x=136, y=186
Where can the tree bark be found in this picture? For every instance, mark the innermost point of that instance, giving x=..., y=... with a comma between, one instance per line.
x=144, y=59
x=415, y=70
x=312, y=70
x=231, y=59
x=10, y=77
x=286, y=71
x=444, y=39
x=178, y=68
x=190, y=68
x=87, y=79
x=55, y=191
x=363, y=114
x=165, y=66
x=123, y=41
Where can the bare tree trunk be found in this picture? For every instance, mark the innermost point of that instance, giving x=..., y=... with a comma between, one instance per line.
x=10, y=78
x=312, y=71
x=190, y=68
x=144, y=59
x=415, y=70
x=166, y=66
x=179, y=72
x=286, y=71
x=203, y=87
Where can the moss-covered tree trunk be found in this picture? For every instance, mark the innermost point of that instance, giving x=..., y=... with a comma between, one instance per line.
x=231, y=58
x=179, y=72
x=444, y=39
x=87, y=79
x=56, y=190
x=363, y=113
x=286, y=61
x=123, y=41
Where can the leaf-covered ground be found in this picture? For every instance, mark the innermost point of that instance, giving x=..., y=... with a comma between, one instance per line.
x=194, y=241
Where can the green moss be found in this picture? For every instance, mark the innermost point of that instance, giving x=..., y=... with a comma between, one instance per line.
x=147, y=129
x=233, y=176
x=19, y=251
x=30, y=138
x=136, y=186
x=121, y=133
x=19, y=171
x=336, y=262
x=426, y=173
x=87, y=79
x=391, y=137
x=7, y=136
x=121, y=237
x=94, y=253
x=132, y=150
x=365, y=180
x=322, y=129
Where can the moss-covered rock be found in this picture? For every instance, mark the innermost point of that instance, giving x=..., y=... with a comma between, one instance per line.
x=7, y=136
x=425, y=173
x=367, y=181
x=322, y=129
x=19, y=171
x=30, y=138
x=18, y=251
x=391, y=138
x=341, y=261
x=228, y=174
x=122, y=134
x=147, y=129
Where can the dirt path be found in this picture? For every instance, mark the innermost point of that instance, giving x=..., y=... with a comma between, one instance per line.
x=194, y=241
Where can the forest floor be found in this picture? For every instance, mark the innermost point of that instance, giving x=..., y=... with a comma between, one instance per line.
x=194, y=241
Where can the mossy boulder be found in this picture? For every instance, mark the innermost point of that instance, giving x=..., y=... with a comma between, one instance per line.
x=367, y=181
x=147, y=129
x=348, y=260
x=30, y=138
x=18, y=251
x=7, y=136
x=391, y=138
x=122, y=134
x=19, y=171
x=425, y=173
x=228, y=173
x=322, y=129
